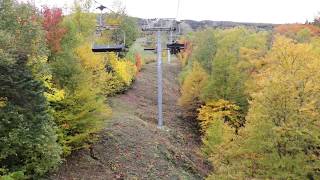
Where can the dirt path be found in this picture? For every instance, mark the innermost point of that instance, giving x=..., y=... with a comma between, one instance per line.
x=131, y=147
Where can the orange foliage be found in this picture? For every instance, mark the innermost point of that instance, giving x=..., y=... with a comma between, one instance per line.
x=138, y=62
x=294, y=28
x=186, y=53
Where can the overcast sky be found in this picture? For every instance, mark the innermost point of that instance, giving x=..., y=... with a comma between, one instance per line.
x=267, y=11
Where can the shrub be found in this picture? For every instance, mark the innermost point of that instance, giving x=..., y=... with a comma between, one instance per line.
x=122, y=68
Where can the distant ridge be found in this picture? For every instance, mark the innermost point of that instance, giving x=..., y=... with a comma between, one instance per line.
x=225, y=24
x=192, y=25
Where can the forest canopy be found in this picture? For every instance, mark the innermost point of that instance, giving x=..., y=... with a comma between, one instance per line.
x=255, y=95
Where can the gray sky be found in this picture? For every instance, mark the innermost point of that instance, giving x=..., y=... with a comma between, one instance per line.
x=267, y=11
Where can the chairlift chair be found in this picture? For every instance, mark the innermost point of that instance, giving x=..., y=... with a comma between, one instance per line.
x=98, y=48
x=175, y=47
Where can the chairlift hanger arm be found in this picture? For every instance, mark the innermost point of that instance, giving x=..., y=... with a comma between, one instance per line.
x=103, y=6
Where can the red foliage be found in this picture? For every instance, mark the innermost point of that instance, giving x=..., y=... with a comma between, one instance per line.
x=294, y=28
x=138, y=61
x=54, y=32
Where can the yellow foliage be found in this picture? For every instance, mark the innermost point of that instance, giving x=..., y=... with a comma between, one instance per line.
x=248, y=54
x=113, y=85
x=283, y=119
x=108, y=83
x=91, y=61
x=192, y=86
x=94, y=64
x=123, y=68
x=220, y=110
x=52, y=93
x=3, y=102
x=290, y=81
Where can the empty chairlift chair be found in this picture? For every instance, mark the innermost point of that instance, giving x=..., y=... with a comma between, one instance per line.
x=103, y=47
x=174, y=46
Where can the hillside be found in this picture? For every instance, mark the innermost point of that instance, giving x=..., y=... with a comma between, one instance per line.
x=131, y=146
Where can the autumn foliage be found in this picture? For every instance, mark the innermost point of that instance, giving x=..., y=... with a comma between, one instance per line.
x=138, y=61
x=53, y=88
x=259, y=111
x=220, y=110
x=191, y=89
x=54, y=31
x=185, y=53
x=295, y=28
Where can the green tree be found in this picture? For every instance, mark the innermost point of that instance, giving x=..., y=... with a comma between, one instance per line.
x=28, y=140
x=229, y=72
x=205, y=48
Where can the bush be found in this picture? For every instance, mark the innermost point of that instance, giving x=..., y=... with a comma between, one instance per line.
x=123, y=69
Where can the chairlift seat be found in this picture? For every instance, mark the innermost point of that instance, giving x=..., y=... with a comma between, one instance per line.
x=149, y=49
x=108, y=48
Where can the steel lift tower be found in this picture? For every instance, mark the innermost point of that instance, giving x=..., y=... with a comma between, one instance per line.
x=158, y=29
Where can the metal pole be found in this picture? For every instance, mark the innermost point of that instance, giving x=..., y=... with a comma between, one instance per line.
x=100, y=22
x=124, y=37
x=169, y=54
x=159, y=70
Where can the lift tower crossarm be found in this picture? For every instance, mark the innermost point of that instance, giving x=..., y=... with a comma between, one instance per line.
x=159, y=29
